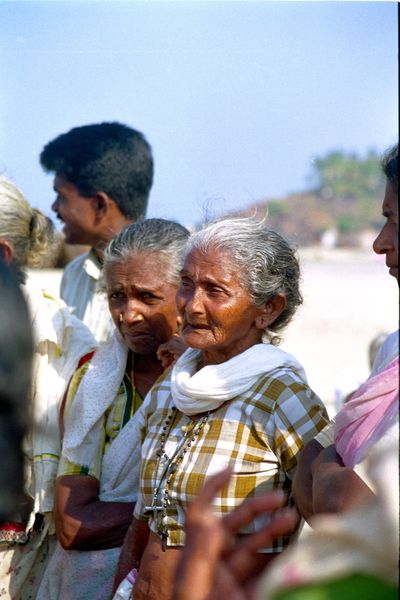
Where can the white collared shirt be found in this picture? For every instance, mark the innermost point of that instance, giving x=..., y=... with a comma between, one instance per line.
x=83, y=290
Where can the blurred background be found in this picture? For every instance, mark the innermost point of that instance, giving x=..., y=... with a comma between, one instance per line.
x=251, y=107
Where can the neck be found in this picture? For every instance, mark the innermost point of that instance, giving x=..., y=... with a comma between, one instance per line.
x=115, y=223
x=146, y=363
x=216, y=357
x=146, y=369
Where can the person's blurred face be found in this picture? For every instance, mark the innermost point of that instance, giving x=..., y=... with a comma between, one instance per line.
x=138, y=291
x=218, y=313
x=387, y=241
x=75, y=211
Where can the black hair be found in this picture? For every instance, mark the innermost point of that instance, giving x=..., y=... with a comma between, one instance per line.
x=390, y=164
x=15, y=376
x=105, y=157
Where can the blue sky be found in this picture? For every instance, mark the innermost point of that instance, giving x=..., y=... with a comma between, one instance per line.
x=235, y=97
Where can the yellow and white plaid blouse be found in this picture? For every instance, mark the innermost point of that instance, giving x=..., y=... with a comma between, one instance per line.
x=259, y=433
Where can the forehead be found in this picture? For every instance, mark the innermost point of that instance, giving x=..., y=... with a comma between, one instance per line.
x=391, y=200
x=214, y=264
x=62, y=184
x=144, y=269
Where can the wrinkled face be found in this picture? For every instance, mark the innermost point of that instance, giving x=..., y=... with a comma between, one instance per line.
x=387, y=241
x=137, y=290
x=218, y=314
x=75, y=211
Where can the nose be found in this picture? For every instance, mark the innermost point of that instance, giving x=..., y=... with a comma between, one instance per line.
x=54, y=206
x=194, y=302
x=382, y=243
x=132, y=313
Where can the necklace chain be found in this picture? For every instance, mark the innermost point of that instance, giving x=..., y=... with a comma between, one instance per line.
x=159, y=511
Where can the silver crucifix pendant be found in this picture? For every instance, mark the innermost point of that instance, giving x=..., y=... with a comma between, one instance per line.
x=153, y=509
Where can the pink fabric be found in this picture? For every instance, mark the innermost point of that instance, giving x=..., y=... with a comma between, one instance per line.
x=367, y=415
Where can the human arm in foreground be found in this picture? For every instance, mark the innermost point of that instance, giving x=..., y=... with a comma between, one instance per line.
x=213, y=563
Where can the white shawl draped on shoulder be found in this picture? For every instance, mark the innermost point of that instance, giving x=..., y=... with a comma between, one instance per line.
x=85, y=421
x=196, y=391
x=73, y=574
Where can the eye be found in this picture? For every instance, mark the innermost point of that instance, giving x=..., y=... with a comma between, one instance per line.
x=186, y=283
x=149, y=297
x=215, y=290
x=115, y=295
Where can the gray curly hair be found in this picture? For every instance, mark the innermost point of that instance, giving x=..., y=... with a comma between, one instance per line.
x=158, y=236
x=266, y=264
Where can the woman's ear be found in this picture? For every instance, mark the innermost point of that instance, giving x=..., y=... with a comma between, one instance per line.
x=270, y=311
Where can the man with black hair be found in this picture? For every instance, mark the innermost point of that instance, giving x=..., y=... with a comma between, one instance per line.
x=103, y=176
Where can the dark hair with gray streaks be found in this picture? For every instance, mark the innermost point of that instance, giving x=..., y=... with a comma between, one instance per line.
x=266, y=264
x=154, y=236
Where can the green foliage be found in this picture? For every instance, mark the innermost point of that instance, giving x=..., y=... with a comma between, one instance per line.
x=347, y=195
x=349, y=176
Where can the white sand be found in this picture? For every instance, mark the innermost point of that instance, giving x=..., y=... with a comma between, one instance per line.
x=348, y=299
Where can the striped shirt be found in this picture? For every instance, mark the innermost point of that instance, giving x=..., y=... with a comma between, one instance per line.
x=83, y=290
x=259, y=433
x=126, y=403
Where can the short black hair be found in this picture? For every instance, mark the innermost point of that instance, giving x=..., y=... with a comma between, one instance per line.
x=104, y=157
x=390, y=164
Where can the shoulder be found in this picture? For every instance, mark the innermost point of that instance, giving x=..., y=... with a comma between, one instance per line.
x=388, y=352
x=73, y=269
x=290, y=398
x=76, y=263
x=159, y=396
x=77, y=377
x=280, y=381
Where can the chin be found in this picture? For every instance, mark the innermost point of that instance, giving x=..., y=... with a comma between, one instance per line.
x=141, y=349
x=70, y=238
x=194, y=341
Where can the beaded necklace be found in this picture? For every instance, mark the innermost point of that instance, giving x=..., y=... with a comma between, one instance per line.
x=161, y=496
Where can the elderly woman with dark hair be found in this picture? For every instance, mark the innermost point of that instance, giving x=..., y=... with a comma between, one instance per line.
x=97, y=481
x=233, y=398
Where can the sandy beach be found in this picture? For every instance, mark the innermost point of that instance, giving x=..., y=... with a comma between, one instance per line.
x=348, y=299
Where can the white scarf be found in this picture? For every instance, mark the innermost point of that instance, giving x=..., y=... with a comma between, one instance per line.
x=195, y=391
x=85, y=421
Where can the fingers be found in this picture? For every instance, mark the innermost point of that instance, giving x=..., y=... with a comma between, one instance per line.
x=166, y=358
x=282, y=523
x=244, y=557
x=251, y=508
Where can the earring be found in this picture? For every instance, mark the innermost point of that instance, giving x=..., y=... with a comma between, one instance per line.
x=121, y=318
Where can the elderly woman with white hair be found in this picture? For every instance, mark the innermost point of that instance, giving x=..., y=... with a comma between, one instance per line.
x=233, y=398
x=60, y=341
